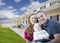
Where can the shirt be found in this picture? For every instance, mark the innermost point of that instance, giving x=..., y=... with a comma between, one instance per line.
x=52, y=27
x=40, y=35
x=30, y=37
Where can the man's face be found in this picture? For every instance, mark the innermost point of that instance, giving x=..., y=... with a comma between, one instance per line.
x=41, y=17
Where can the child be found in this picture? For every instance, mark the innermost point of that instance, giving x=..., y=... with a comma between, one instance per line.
x=39, y=34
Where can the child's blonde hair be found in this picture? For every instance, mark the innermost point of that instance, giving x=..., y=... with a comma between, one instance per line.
x=36, y=26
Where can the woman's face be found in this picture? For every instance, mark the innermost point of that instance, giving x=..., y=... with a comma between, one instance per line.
x=33, y=19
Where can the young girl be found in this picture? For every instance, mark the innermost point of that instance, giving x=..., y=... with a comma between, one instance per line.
x=39, y=34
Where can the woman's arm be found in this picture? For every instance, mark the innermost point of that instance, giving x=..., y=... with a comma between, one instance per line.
x=27, y=41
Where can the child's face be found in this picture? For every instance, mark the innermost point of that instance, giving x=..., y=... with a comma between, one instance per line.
x=37, y=27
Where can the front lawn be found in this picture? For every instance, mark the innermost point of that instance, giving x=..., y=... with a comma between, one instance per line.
x=8, y=36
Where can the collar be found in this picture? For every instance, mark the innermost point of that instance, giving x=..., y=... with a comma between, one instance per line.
x=46, y=23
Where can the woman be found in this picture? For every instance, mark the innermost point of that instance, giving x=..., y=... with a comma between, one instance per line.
x=28, y=34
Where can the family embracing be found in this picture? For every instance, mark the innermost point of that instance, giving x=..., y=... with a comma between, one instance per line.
x=41, y=30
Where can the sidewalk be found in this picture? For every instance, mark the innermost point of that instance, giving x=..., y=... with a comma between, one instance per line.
x=18, y=31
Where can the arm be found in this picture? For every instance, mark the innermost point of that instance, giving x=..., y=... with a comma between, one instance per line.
x=26, y=37
x=56, y=32
x=27, y=41
x=56, y=40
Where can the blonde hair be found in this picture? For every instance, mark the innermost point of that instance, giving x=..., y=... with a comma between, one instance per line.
x=36, y=25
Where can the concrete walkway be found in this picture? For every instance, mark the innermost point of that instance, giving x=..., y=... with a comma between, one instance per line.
x=19, y=31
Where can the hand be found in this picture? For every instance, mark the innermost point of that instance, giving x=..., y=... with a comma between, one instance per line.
x=46, y=38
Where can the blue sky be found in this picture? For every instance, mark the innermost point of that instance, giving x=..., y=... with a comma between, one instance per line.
x=15, y=8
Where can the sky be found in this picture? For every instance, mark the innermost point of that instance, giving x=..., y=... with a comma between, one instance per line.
x=15, y=8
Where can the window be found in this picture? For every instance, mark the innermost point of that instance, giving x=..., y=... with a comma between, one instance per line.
x=52, y=3
x=26, y=22
x=19, y=21
x=34, y=10
x=56, y=17
x=23, y=21
x=47, y=5
x=43, y=7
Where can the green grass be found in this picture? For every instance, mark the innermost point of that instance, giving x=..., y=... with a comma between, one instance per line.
x=8, y=36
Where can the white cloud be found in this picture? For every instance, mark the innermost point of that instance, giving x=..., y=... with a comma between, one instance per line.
x=16, y=12
x=23, y=8
x=7, y=16
x=2, y=3
x=16, y=15
x=7, y=13
x=17, y=1
x=34, y=4
x=13, y=10
x=10, y=7
x=31, y=1
x=1, y=16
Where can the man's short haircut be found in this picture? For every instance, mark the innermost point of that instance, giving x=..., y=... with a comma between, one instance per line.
x=40, y=12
